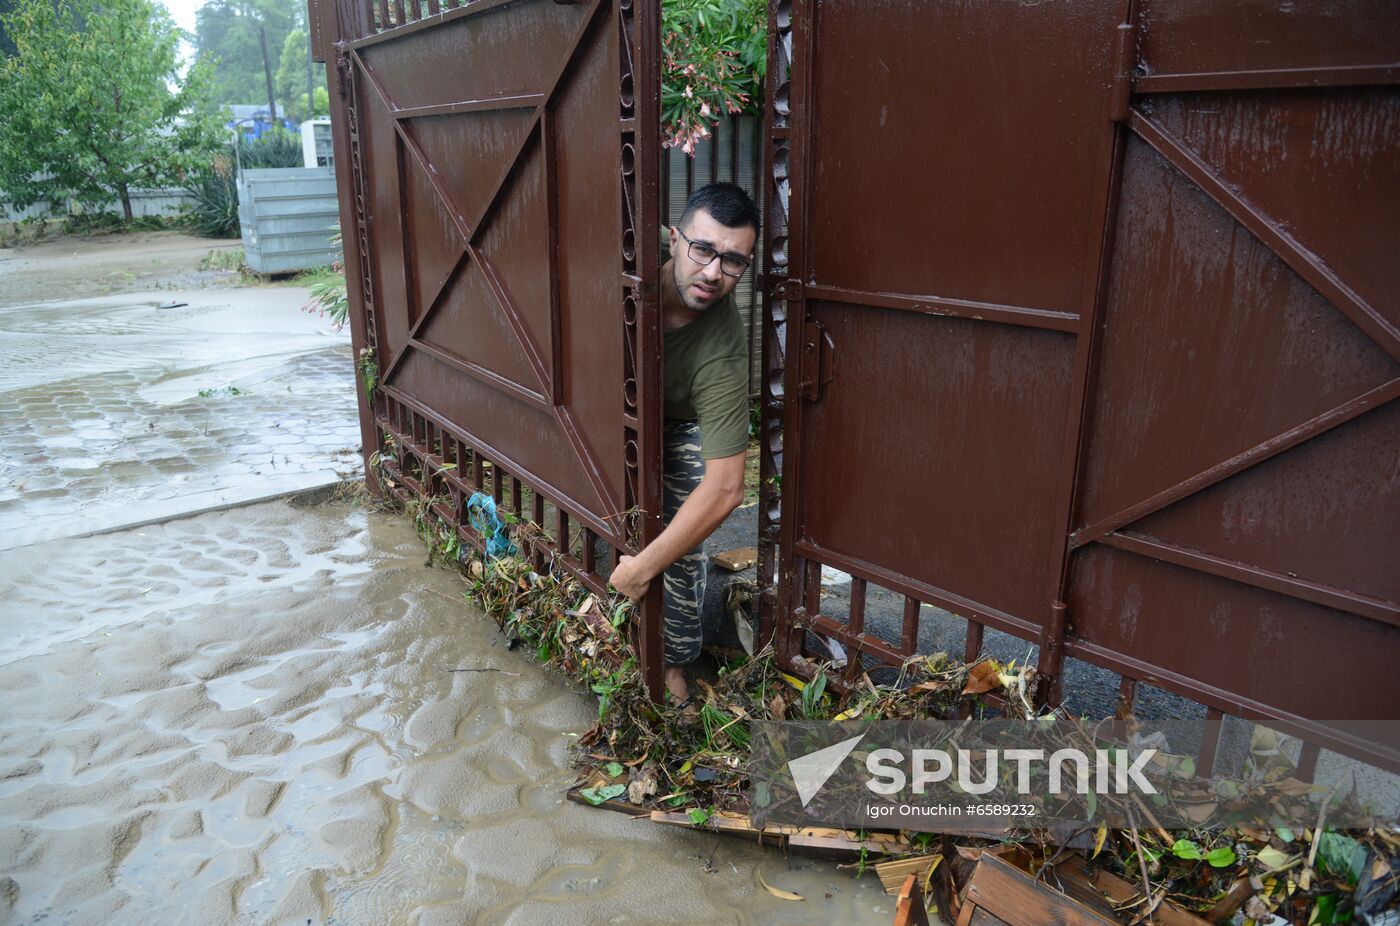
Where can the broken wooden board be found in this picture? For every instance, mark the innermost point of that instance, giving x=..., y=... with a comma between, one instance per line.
x=1002, y=892
x=910, y=909
x=736, y=560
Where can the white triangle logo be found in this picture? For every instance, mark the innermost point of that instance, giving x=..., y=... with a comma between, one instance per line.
x=811, y=771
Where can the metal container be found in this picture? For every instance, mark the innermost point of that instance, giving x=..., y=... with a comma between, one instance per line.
x=288, y=216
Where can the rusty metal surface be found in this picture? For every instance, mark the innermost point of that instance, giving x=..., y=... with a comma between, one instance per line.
x=497, y=226
x=1096, y=349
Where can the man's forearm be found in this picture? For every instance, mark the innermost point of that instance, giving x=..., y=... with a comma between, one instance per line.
x=697, y=518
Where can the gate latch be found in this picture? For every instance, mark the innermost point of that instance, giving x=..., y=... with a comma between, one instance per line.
x=815, y=366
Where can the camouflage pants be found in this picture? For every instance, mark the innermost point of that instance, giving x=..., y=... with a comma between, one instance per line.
x=683, y=583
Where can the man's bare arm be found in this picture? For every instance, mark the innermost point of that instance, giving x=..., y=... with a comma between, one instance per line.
x=720, y=491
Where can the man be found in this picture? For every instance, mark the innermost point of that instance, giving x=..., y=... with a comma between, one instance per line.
x=705, y=365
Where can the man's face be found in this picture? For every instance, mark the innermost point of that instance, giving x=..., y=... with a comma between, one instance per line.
x=702, y=285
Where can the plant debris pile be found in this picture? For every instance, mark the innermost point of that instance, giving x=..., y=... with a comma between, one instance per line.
x=643, y=756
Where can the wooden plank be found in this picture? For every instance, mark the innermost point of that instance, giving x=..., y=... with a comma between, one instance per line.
x=1012, y=895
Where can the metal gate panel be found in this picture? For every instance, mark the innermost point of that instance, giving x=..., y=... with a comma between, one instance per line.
x=499, y=186
x=1103, y=351
x=933, y=378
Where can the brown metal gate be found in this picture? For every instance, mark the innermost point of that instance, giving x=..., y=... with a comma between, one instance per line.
x=1084, y=328
x=495, y=216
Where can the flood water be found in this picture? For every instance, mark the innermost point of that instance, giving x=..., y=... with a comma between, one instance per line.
x=252, y=716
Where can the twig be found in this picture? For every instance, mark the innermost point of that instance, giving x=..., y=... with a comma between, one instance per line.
x=1142, y=865
x=1305, y=880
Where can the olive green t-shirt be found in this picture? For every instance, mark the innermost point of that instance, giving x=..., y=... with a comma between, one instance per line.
x=707, y=378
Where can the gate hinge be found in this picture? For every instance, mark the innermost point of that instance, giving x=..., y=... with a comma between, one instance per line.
x=1124, y=62
x=788, y=289
x=815, y=366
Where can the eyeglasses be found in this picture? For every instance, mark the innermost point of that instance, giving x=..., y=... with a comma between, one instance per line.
x=731, y=265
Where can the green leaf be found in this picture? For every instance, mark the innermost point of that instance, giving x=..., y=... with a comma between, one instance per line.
x=1185, y=848
x=614, y=769
x=1324, y=911
x=596, y=796
x=1221, y=857
x=1341, y=856
x=699, y=816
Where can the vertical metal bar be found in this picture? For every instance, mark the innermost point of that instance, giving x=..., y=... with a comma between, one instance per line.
x=400, y=17
x=1307, y=762
x=909, y=632
x=1210, y=742
x=515, y=506
x=1094, y=295
x=478, y=471
x=340, y=80
x=433, y=8
x=646, y=32
x=856, y=624
x=800, y=74
x=1127, y=695
x=385, y=21
x=498, y=485
x=561, y=531
x=589, y=559
x=972, y=647
x=537, y=518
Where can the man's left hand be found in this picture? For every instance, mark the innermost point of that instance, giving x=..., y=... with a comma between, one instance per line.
x=628, y=579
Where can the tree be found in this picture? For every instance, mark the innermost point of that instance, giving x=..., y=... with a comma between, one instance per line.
x=227, y=39
x=87, y=108
x=290, y=81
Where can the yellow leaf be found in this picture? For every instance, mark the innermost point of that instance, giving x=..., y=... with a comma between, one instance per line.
x=1098, y=840
x=781, y=895
x=794, y=682
x=1272, y=858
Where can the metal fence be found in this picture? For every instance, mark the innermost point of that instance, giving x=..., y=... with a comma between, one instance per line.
x=144, y=204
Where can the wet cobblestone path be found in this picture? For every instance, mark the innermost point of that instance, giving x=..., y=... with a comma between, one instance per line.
x=114, y=411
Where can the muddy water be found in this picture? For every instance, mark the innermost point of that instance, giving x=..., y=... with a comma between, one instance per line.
x=252, y=717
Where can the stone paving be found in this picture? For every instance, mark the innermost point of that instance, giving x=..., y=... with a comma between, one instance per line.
x=116, y=412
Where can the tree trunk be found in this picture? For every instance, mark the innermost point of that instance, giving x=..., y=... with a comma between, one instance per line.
x=126, y=201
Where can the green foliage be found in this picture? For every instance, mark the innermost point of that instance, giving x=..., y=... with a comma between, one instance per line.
x=278, y=147
x=596, y=796
x=215, y=192
x=290, y=80
x=1219, y=857
x=714, y=56
x=214, y=185
x=89, y=108
x=813, y=700
x=228, y=42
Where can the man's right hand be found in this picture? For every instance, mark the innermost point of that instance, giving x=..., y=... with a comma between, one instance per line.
x=628, y=579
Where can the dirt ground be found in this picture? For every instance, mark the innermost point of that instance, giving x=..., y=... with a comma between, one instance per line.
x=74, y=267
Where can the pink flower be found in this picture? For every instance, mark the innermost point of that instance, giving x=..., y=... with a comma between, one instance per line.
x=704, y=109
x=688, y=94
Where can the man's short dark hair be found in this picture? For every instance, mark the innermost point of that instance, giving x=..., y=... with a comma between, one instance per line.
x=727, y=203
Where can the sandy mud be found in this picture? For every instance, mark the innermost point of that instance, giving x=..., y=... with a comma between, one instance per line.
x=72, y=267
x=261, y=716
